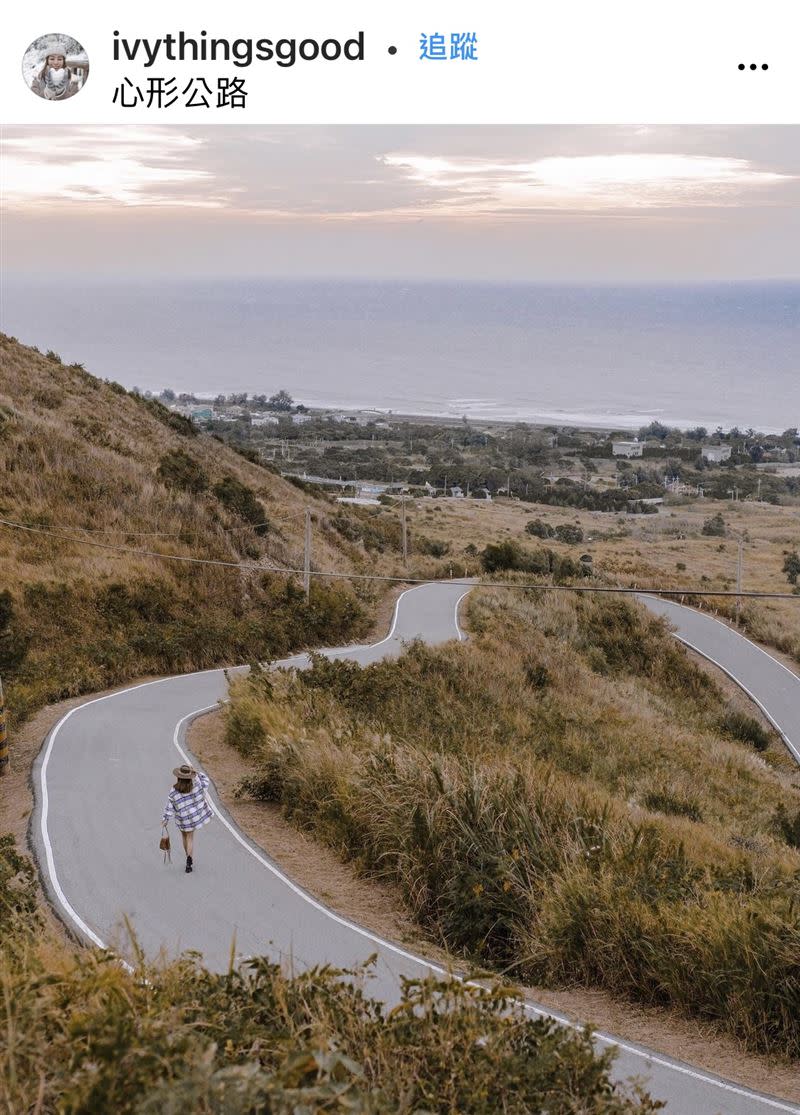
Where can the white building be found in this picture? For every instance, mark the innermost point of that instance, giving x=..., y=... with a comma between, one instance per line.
x=716, y=453
x=627, y=448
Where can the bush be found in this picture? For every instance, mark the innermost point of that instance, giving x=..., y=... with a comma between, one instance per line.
x=511, y=556
x=17, y=888
x=242, y=501
x=746, y=729
x=251, y=455
x=177, y=422
x=715, y=526
x=568, y=532
x=788, y=826
x=177, y=469
x=13, y=645
x=434, y=547
x=539, y=528
x=89, y=1036
x=791, y=567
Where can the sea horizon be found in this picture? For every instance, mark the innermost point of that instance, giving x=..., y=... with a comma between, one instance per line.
x=605, y=355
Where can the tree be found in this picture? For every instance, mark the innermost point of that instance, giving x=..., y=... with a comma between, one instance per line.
x=281, y=400
x=655, y=430
x=699, y=433
x=791, y=567
x=168, y=394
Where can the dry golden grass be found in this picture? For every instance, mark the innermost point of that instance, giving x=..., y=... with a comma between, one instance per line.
x=80, y=459
x=647, y=549
x=558, y=798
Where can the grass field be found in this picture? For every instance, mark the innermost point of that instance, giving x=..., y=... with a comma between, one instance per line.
x=660, y=550
x=566, y=798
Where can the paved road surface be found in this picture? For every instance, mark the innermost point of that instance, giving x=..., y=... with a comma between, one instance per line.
x=772, y=685
x=101, y=781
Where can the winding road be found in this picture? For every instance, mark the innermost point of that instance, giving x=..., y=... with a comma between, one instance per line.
x=101, y=780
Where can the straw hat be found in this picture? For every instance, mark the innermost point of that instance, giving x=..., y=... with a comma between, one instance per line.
x=184, y=771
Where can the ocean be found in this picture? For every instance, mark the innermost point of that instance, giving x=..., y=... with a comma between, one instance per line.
x=608, y=356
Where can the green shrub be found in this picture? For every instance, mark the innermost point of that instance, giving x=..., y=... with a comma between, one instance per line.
x=242, y=501
x=177, y=422
x=715, y=526
x=568, y=532
x=17, y=888
x=746, y=729
x=177, y=469
x=791, y=567
x=788, y=825
x=433, y=546
x=539, y=528
x=13, y=644
x=91, y=1037
x=251, y=455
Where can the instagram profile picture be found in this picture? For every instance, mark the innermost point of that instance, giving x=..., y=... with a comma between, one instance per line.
x=55, y=67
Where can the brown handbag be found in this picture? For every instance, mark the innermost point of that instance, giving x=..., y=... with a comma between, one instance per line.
x=164, y=846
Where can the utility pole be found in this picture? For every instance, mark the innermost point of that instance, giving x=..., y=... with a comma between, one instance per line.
x=758, y=493
x=405, y=530
x=307, y=558
x=739, y=580
x=3, y=734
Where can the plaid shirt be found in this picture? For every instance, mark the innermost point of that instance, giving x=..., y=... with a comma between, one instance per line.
x=189, y=810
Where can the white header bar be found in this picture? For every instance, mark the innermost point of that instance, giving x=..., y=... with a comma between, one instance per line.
x=566, y=62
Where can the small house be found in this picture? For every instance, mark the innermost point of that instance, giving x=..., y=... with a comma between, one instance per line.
x=633, y=448
x=716, y=453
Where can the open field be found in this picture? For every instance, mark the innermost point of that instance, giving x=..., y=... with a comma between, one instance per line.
x=659, y=550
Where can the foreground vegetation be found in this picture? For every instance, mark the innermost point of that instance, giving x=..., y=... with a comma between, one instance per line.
x=80, y=1034
x=567, y=798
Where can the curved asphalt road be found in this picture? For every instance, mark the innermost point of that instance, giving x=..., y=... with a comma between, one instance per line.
x=102, y=777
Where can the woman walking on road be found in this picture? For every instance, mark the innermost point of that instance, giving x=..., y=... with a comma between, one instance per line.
x=188, y=804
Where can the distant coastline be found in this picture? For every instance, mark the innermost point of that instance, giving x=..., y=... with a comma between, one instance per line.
x=586, y=356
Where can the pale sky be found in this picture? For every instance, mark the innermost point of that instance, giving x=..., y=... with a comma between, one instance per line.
x=543, y=203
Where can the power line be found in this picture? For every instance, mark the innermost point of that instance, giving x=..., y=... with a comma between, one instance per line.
x=400, y=578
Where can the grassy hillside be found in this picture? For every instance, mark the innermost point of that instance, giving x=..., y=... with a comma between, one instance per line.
x=86, y=461
x=566, y=797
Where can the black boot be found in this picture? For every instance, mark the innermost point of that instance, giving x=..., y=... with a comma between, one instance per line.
x=188, y=864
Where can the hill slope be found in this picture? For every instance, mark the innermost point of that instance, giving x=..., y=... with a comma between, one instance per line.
x=86, y=461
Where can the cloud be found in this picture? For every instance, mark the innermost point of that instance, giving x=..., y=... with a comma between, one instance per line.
x=126, y=166
x=583, y=182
